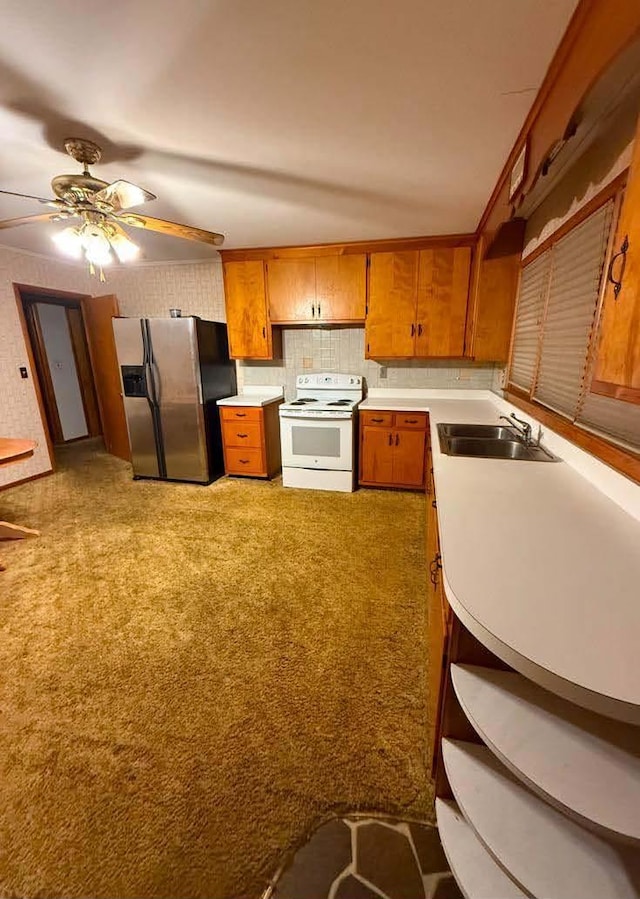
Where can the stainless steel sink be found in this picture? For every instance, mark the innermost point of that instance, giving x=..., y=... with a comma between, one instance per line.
x=496, y=432
x=489, y=442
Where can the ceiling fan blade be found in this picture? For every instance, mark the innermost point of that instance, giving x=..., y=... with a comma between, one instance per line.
x=33, y=219
x=123, y=195
x=173, y=229
x=48, y=202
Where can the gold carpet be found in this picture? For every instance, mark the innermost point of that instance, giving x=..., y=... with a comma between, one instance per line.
x=191, y=677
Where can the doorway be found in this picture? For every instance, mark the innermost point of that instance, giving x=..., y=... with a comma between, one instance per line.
x=55, y=328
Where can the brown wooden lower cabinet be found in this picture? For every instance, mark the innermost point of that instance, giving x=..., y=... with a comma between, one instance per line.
x=392, y=449
x=251, y=440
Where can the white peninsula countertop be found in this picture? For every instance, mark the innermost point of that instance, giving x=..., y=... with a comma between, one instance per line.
x=541, y=561
x=254, y=396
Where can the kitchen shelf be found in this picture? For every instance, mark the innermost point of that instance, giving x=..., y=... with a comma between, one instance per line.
x=476, y=872
x=545, y=852
x=581, y=762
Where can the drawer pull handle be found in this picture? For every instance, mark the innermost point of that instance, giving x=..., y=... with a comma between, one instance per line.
x=241, y=414
x=397, y=439
x=413, y=330
x=390, y=439
x=242, y=435
x=378, y=420
x=419, y=330
x=244, y=461
x=411, y=421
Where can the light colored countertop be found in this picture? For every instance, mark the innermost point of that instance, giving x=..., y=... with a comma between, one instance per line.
x=254, y=396
x=540, y=563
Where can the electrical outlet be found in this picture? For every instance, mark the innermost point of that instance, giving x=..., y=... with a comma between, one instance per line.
x=383, y=372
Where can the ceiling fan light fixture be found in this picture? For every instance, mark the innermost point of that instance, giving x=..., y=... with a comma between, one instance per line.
x=69, y=241
x=97, y=248
x=124, y=248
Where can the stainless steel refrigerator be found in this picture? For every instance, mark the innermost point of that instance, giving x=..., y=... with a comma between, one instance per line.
x=173, y=370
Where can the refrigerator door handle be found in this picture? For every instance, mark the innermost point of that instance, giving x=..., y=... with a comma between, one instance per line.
x=152, y=397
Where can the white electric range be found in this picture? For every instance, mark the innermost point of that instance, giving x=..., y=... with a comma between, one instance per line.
x=318, y=432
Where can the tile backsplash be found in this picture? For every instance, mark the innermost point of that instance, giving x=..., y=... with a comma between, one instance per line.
x=342, y=349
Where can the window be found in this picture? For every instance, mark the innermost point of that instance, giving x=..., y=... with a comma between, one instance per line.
x=555, y=332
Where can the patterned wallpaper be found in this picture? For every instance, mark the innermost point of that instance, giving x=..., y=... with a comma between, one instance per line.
x=19, y=414
x=141, y=290
x=151, y=290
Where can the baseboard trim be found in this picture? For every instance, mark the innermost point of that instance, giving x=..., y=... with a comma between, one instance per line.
x=33, y=477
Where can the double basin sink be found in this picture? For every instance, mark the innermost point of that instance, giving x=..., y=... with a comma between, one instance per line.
x=490, y=442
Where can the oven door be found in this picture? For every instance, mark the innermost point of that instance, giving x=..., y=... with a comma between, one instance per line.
x=325, y=443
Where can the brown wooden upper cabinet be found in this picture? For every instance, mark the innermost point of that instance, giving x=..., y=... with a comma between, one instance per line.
x=329, y=289
x=248, y=325
x=617, y=371
x=418, y=303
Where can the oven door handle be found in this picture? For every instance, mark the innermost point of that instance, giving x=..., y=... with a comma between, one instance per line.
x=319, y=419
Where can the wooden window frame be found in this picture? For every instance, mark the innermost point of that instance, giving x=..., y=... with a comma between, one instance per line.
x=625, y=461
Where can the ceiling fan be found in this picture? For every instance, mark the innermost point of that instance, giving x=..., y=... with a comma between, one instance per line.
x=102, y=209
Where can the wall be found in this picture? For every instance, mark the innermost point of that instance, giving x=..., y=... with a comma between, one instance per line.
x=151, y=290
x=143, y=290
x=342, y=349
x=19, y=413
x=62, y=367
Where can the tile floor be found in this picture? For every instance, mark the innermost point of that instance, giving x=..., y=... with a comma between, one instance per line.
x=367, y=858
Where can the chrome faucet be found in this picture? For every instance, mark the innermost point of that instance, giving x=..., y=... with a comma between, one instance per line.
x=522, y=427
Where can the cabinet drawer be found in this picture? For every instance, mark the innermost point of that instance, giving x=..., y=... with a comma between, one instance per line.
x=241, y=413
x=242, y=433
x=411, y=420
x=244, y=461
x=376, y=419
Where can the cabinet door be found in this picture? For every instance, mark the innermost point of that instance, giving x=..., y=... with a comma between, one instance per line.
x=341, y=287
x=617, y=371
x=292, y=290
x=376, y=455
x=443, y=290
x=408, y=458
x=248, y=326
x=390, y=325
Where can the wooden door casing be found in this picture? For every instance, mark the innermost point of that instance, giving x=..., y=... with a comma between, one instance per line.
x=341, y=287
x=390, y=326
x=291, y=285
x=443, y=292
x=98, y=314
x=248, y=325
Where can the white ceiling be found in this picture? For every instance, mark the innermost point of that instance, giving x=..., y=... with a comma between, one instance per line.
x=278, y=122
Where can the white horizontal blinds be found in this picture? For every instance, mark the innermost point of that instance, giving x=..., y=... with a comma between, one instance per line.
x=531, y=297
x=577, y=262
x=612, y=418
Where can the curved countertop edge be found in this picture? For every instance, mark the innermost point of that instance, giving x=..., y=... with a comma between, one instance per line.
x=596, y=474
x=605, y=705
